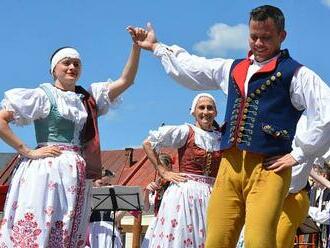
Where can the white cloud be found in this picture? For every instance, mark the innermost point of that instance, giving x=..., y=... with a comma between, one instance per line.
x=223, y=40
x=326, y=2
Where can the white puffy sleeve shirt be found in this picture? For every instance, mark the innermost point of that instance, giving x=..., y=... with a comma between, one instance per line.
x=301, y=172
x=28, y=105
x=176, y=137
x=100, y=92
x=307, y=91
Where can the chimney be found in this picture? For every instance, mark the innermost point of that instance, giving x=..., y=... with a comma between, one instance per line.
x=129, y=154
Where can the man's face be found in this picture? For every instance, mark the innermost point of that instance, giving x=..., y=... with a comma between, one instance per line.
x=265, y=39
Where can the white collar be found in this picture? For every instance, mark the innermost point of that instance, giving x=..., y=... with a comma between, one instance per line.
x=263, y=62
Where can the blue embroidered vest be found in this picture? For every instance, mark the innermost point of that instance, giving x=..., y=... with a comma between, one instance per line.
x=53, y=128
x=265, y=120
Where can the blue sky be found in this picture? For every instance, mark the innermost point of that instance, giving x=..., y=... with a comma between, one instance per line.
x=31, y=30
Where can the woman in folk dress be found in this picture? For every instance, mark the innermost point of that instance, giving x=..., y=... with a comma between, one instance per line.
x=181, y=220
x=48, y=203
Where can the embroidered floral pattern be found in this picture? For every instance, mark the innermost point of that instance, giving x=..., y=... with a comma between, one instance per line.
x=70, y=214
x=14, y=205
x=73, y=189
x=25, y=233
x=3, y=245
x=174, y=223
x=76, y=239
x=52, y=185
x=190, y=228
x=187, y=243
x=162, y=220
x=184, y=226
x=49, y=211
x=170, y=237
x=81, y=242
x=59, y=236
x=22, y=229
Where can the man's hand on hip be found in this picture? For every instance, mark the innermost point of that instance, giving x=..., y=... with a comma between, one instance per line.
x=279, y=163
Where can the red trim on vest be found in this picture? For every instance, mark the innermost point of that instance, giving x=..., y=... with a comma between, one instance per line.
x=239, y=74
x=241, y=69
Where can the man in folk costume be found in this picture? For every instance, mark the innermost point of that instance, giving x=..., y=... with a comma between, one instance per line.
x=267, y=93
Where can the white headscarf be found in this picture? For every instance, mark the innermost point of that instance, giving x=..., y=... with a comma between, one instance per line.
x=67, y=52
x=194, y=102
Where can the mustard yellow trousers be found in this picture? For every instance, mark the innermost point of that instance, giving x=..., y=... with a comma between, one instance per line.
x=245, y=192
x=295, y=210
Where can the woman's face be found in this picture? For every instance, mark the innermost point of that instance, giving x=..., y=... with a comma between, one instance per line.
x=205, y=112
x=67, y=72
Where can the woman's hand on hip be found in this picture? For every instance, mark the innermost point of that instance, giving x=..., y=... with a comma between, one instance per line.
x=173, y=177
x=43, y=152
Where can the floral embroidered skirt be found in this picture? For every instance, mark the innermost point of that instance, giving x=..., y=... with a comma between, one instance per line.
x=48, y=204
x=181, y=220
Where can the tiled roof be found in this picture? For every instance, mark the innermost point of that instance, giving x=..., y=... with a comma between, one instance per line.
x=138, y=172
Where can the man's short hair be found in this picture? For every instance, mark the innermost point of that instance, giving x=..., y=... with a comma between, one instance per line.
x=262, y=13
